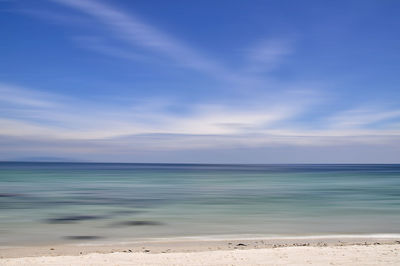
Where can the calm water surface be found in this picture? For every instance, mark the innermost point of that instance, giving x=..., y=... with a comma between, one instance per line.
x=71, y=202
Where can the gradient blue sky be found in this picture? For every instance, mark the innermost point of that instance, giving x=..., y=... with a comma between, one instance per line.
x=200, y=81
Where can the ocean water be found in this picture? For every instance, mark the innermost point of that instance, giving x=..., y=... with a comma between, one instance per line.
x=92, y=202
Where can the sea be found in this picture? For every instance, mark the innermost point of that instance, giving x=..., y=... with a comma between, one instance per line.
x=43, y=203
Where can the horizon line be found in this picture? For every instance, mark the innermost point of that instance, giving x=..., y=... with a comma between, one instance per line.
x=177, y=163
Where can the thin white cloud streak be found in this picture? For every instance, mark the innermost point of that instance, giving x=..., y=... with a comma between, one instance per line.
x=131, y=29
x=18, y=96
x=102, y=47
x=361, y=117
x=264, y=56
x=267, y=55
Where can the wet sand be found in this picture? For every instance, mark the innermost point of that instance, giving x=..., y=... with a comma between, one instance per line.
x=345, y=250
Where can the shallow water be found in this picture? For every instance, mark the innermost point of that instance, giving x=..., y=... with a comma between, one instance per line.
x=72, y=202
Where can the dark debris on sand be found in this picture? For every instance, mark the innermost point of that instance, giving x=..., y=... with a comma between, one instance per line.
x=82, y=237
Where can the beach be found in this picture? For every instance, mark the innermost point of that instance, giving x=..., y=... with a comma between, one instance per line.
x=296, y=251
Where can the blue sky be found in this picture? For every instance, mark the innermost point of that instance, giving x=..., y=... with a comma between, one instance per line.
x=200, y=81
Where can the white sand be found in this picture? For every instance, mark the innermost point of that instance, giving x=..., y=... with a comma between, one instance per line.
x=331, y=255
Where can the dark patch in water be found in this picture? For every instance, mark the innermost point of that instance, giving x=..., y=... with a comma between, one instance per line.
x=122, y=212
x=82, y=237
x=138, y=223
x=5, y=195
x=73, y=219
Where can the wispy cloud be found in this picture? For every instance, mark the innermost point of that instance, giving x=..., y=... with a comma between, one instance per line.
x=202, y=125
x=101, y=46
x=132, y=30
x=14, y=95
x=267, y=54
x=363, y=117
x=261, y=57
x=70, y=118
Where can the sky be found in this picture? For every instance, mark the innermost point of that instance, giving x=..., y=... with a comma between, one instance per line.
x=226, y=81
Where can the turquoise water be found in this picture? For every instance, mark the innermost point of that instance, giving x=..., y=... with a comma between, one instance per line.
x=72, y=202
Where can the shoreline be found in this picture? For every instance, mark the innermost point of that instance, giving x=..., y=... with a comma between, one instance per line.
x=196, y=244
